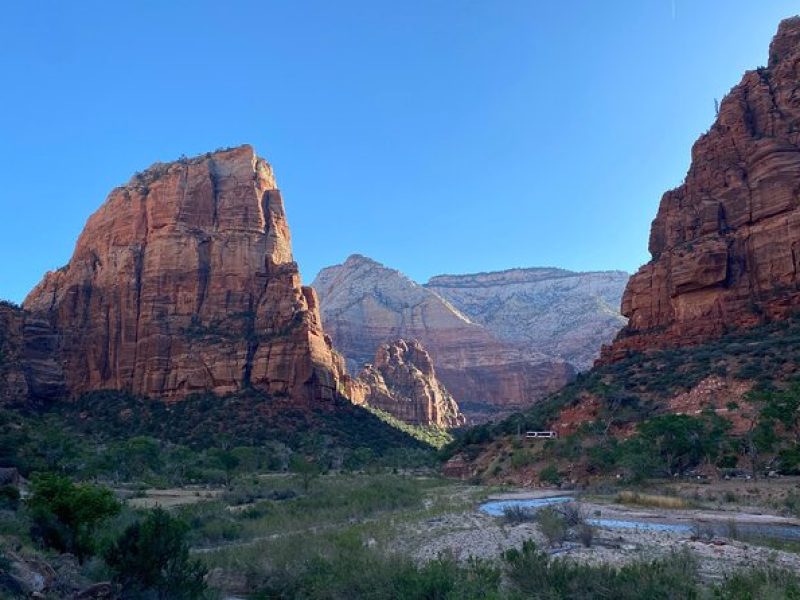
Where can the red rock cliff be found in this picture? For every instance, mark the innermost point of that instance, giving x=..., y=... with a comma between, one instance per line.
x=725, y=245
x=402, y=382
x=184, y=281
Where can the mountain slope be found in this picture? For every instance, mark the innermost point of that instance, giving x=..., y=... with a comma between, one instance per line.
x=560, y=313
x=706, y=375
x=365, y=304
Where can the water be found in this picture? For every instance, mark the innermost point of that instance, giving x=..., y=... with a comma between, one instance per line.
x=640, y=525
x=496, y=508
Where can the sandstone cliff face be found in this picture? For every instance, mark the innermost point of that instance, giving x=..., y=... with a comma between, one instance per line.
x=560, y=313
x=725, y=245
x=365, y=304
x=402, y=381
x=184, y=281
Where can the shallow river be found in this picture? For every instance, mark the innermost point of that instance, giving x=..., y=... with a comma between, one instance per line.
x=496, y=508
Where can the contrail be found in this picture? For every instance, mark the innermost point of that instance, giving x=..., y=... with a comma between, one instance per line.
x=674, y=9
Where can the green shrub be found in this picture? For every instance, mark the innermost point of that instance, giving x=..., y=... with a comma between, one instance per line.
x=151, y=559
x=535, y=575
x=757, y=584
x=550, y=474
x=553, y=525
x=65, y=515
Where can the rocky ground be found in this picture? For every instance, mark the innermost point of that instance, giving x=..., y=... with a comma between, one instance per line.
x=473, y=533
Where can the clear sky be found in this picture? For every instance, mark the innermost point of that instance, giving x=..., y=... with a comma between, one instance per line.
x=435, y=136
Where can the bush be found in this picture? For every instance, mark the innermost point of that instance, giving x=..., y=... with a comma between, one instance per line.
x=515, y=514
x=65, y=515
x=553, y=525
x=9, y=497
x=586, y=534
x=550, y=474
x=151, y=559
x=535, y=575
x=760, y=583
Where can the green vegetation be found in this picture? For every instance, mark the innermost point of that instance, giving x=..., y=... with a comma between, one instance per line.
x=630, y=395
x=130, y=439
x=65, y=516
x=534, y=574
x=432, y=436
x=151, y=559
x=275, y=504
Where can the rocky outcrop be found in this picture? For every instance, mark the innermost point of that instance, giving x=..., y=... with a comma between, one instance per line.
x=183, y=281
x=725, y=245
x=365, y=305
x=402, y=382
x=561, y=313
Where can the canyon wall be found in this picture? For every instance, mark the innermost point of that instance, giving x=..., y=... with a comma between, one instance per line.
x=183, y=281
x=725, y=245
x=560, y=313
x=365, y=304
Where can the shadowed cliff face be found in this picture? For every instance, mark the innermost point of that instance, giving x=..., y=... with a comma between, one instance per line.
x=726, y=243
x=365, y=305
x=402, y=381
x=184, y=281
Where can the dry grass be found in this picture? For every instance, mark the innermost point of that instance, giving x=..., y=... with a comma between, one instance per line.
x=652, y=500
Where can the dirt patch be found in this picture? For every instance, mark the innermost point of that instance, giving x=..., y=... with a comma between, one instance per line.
x=727, y=398
x=173, y=497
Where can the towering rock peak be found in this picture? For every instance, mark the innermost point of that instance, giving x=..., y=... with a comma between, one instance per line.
x=561, y=313
x=402, y=381
x=184, y=281
x=360, y=277
x=365, y=304
x=725, y=245
x=786, y=42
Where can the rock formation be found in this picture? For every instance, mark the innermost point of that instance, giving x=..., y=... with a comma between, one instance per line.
x=183, y=281
x=561, y=313
x=402, y=381
x=725, y=245
x=365, y=304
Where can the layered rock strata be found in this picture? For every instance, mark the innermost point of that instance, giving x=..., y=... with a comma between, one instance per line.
x=183, y=281
x=725, y=245
x=402, y=381
x=561, y=313
x=365, y=305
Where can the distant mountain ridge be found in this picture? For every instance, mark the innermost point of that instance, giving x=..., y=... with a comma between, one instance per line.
x=365, y=304
x=559, y=312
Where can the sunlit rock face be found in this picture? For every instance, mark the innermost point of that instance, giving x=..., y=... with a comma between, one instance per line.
x=365, y=304
x=183, y=281
x=401, y=380
x=563, y=314
x=725, y=245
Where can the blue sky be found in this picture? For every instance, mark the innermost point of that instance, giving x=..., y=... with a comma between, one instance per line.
x=434, y=136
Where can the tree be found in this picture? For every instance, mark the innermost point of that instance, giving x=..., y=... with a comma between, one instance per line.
x=227, y=460
x=679, y=440
x=151, y=560
x=306, y=469
x=66, y=515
